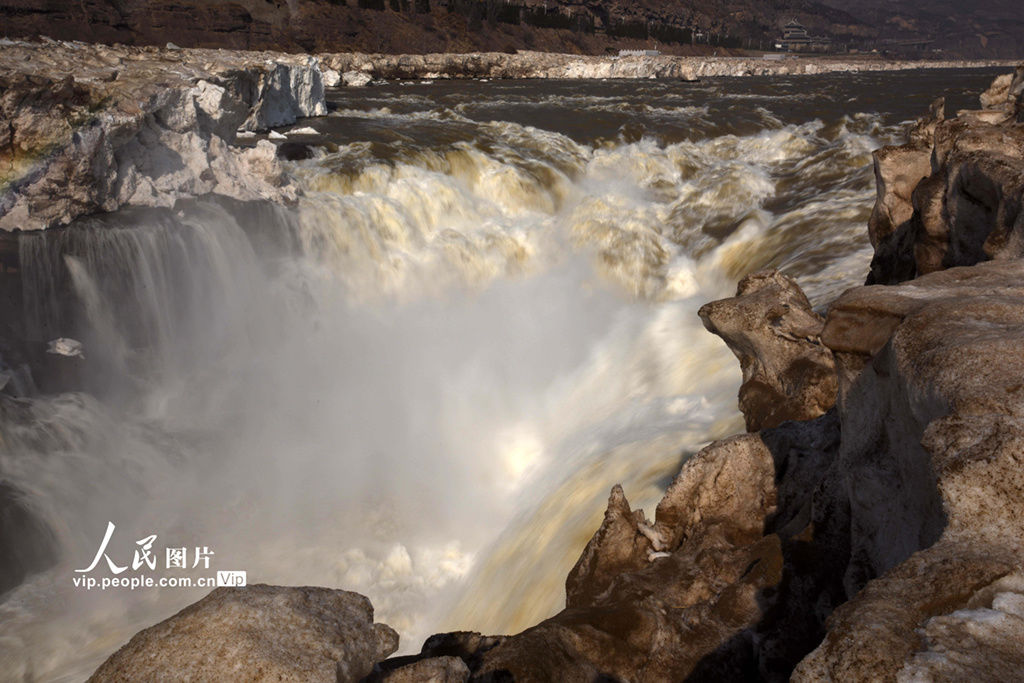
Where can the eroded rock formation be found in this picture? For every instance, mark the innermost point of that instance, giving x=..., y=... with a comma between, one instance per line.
x=769, y=325
x=258, y=633
x=951, y=196
x=932, y=437
x=880, y=539
x=651, y=600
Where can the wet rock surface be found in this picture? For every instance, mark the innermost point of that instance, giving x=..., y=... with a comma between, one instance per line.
x=258, y=633
x=28, y=543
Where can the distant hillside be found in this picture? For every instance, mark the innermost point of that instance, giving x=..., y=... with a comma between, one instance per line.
x=576, y=26
x=977, y=28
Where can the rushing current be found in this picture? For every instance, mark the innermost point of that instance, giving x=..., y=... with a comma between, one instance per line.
x=421, y=381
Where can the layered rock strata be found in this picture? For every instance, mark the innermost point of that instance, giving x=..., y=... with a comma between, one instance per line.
x=87, y=128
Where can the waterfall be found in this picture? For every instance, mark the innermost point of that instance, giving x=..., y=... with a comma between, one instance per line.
x=420, y=381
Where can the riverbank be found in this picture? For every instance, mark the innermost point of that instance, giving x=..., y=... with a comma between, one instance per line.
x=527, y=65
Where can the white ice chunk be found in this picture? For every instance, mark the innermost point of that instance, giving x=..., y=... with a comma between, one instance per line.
x=64, y=346
x=657, y=542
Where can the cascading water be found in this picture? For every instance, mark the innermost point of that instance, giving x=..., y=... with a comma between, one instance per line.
x=421, y=381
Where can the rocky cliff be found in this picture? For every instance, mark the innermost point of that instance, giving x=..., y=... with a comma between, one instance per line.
x=951, y=196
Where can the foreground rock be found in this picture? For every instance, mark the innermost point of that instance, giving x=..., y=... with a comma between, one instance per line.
x=88, y=128
x=642, y=602
x=258, y=633
x=28, y=542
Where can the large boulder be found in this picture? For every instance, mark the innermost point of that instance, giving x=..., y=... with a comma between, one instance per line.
x=258, y=633
x=356, y=79
x=787, y=373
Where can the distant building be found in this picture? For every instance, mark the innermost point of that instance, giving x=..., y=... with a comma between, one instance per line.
x=796, y=39
x=794, y=32
x=639, y=53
